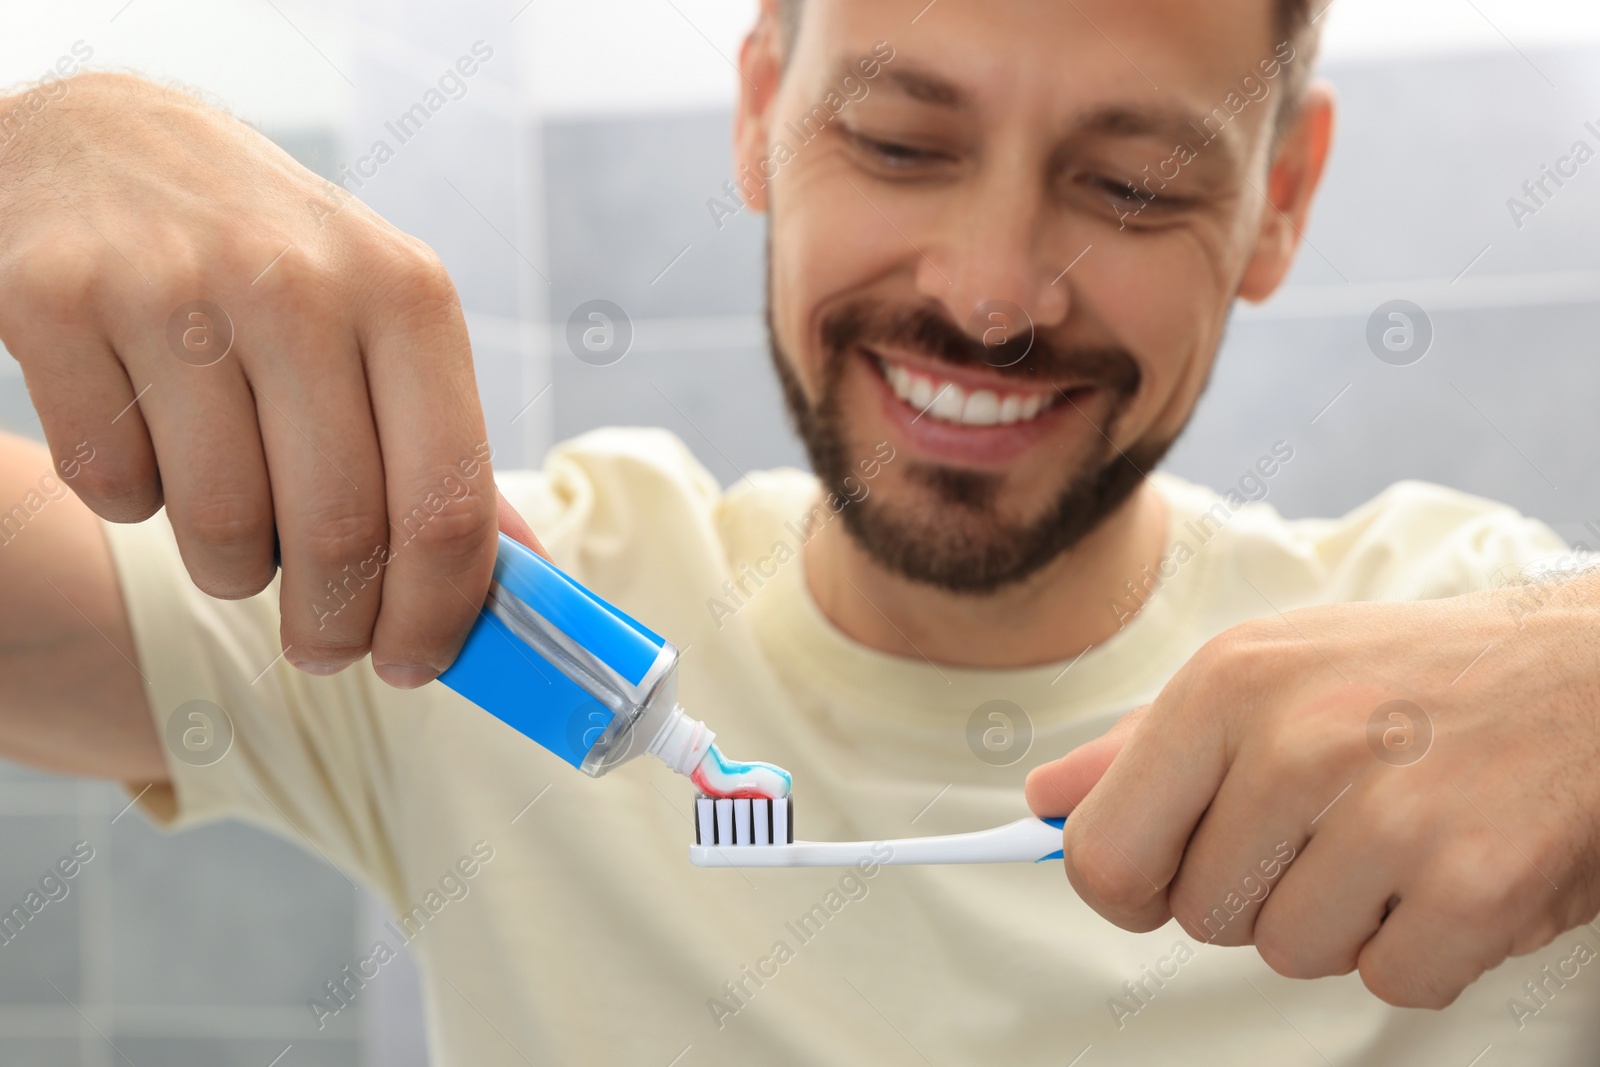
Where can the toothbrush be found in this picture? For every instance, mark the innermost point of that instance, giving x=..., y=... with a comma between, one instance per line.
x=756, y=832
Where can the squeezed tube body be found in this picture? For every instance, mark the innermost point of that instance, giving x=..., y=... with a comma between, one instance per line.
x=572, y=672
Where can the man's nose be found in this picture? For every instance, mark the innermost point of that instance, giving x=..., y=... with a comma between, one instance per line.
x=992, y=265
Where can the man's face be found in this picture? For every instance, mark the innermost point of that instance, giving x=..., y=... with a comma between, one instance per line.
x=970, y=260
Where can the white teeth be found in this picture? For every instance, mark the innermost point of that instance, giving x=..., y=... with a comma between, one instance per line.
x=948, y=402
x=983, y=409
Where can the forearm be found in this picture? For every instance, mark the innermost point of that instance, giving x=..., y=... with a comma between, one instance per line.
x=71, y=699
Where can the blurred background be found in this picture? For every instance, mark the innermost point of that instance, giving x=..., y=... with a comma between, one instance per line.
x=578, y=166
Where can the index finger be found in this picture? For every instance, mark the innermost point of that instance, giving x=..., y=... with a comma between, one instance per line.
x=439, y=483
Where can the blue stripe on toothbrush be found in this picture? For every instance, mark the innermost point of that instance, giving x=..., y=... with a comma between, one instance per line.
x=1060, y=824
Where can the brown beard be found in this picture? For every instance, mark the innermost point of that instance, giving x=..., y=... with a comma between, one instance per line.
x=978, y=552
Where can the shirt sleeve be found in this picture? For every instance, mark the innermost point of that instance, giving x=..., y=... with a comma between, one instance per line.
x=1419, y=541
x=244, y=734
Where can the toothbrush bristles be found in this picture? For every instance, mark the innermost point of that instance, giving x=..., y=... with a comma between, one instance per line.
x=744, y=821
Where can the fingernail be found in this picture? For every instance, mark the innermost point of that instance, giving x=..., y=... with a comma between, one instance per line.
x=403, y=676
x=320, y=669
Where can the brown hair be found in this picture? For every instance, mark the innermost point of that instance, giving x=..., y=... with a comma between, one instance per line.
x=1295, y=23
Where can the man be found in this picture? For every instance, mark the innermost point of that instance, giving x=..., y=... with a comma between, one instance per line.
x=982, y=420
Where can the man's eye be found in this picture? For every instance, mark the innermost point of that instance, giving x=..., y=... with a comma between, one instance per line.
x=1121, y=193
x=894, y=154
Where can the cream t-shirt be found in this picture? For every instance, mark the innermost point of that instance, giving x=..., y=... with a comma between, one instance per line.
x=557, y=919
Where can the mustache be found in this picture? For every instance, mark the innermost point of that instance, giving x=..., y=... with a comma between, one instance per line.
x=924, y=329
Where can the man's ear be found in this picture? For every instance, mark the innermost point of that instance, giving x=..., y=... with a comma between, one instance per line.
x=1296, y=173
x=760, y=72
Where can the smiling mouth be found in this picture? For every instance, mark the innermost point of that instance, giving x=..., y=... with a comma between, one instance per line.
x=945, y=400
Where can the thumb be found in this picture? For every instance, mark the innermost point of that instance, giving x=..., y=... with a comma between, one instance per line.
x=516, y=527
x=1056, y=788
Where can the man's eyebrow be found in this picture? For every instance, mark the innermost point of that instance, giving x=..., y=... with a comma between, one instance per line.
x=920, y=84
x=1200, y=133
x=927, y=87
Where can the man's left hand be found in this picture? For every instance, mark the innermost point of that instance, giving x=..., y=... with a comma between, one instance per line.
x=1409, y=790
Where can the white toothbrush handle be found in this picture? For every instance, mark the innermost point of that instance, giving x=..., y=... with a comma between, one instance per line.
x=1023, y=841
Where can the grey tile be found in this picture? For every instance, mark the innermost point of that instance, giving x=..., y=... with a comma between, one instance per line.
x=39, y=1052
x=624, y=197
x=225, y=915
x=725, y=404
x=506, y=387
x=17, y=772
x=1481, y=412
x=454, y=179
x=1429, y=150
x=211, y=1052
x=457, y=190
x=44, y=947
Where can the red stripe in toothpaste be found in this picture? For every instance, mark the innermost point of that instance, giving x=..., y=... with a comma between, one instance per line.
x=718, y=776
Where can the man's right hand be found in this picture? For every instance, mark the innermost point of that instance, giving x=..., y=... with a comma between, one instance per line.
x=234, y=337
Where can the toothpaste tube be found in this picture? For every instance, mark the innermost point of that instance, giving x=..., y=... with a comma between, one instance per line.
x=581, y=678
